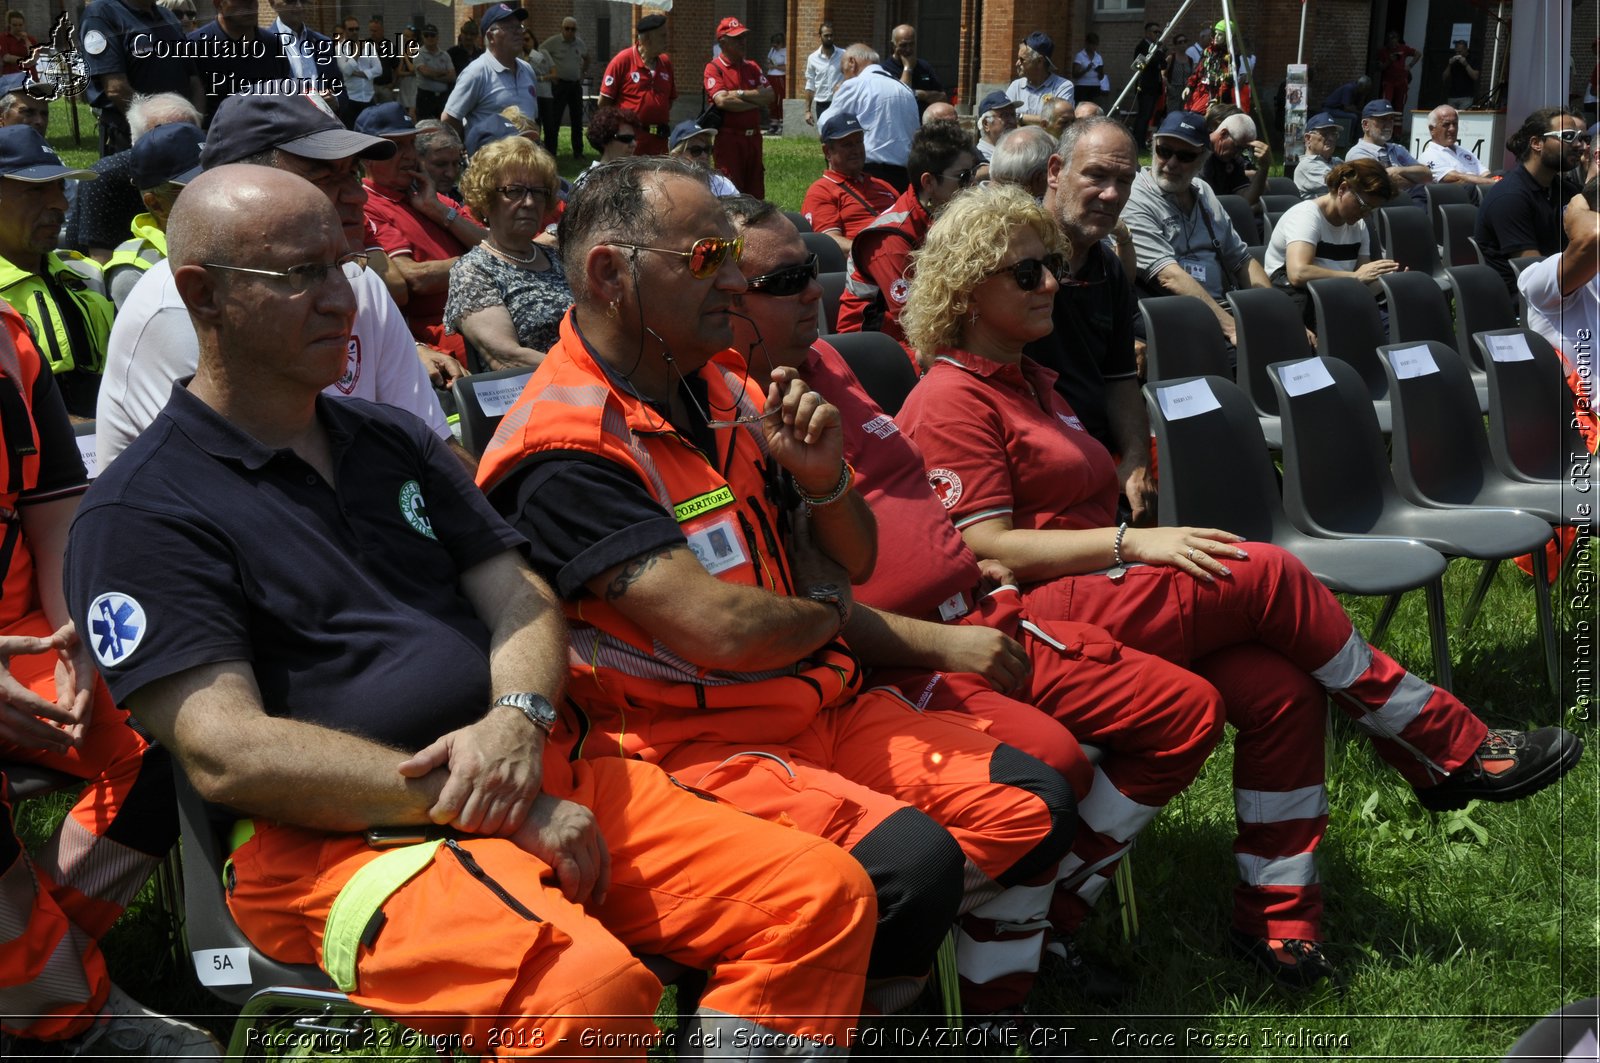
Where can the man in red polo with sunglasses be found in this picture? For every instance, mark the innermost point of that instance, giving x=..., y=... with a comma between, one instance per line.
x=738, y=89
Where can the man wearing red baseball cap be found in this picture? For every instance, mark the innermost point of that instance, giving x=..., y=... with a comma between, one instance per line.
x=738, y=89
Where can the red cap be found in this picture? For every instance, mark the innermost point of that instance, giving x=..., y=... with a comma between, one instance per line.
x=731, y=27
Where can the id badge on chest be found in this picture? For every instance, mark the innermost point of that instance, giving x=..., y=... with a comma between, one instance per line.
x=1200, y=271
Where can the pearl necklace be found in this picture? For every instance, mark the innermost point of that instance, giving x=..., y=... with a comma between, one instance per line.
x=508, y=256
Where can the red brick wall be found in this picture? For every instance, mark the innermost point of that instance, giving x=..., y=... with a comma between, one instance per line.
x=1006, y=22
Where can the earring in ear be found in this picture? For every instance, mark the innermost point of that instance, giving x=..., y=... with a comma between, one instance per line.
x=611, y=309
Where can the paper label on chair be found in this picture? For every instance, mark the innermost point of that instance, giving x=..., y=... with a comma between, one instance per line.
x=1187, y=400
x=1586, y=1049
x=498, y=396
x=222, y=966
x=1302, y=378
x=1510, y=348
x=1413, y=362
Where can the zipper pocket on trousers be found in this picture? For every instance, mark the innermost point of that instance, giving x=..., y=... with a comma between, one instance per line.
x=476, y=871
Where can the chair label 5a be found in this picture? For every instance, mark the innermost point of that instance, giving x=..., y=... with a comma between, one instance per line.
x=1187, y=400
x=1302, y=378
x=1413, y=362
x=1510, y=349
x=222, y=966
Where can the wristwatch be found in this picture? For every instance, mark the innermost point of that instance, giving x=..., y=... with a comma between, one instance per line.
x=830, y=594
x=536, y=707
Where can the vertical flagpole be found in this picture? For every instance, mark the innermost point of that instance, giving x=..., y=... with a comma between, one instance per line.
x=1300, y=52
x=1233, y=55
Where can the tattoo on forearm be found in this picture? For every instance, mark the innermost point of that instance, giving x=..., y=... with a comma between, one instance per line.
x=633, y=570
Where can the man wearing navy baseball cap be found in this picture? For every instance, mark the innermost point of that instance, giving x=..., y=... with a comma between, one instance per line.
x=997, y=115
x=153, y=342
x=19, y=107
x=1376, y=143
x=61, y=293
x=1183, y=242
x=1322, y=137
x=164, y=160
x=497, y=79
x=846, y=198
x=1037, y=82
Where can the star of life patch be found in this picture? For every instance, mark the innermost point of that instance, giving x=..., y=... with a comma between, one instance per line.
x=116, y=627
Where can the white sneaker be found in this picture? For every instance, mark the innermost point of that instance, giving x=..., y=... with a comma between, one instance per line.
x=128, y=1028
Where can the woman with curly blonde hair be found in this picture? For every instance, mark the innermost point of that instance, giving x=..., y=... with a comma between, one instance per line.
x=1029, y=488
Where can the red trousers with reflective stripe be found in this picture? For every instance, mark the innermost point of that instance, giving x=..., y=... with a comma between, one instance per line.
x=52, y=976
x=783, y=921
x=1272, y=601
x=1154, y=723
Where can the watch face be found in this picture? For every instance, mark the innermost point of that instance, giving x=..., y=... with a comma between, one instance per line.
x=826, y=590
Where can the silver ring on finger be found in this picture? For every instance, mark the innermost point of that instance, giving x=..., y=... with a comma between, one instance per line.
x=1191, y=553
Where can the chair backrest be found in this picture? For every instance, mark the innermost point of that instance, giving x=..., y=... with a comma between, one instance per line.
x=1268, y=327
x=880, y=364
x=1408, y=238
x=1456, y=223
x=830, y=259
x=1439, y=450
x=1417, y=308
x=1259, y=252
x=1335, y=470
x=1520, y=264
x=1278, y=202
x=1282, y=186
x=1269, y=222
x=1482, y=304
x=226, y=963
x=1350, y=329
x=799, y=219
x=1215, y=472
x=1182, y=338
x=1438, y=196
x=482, y=399
x=832, y=289
x=1243, y=217
x=1530, y=406
x=83, y=431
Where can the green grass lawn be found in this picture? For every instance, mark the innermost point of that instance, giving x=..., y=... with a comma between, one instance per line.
x=1453, y=932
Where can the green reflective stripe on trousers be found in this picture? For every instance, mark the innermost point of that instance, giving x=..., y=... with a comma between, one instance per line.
x=359, y=900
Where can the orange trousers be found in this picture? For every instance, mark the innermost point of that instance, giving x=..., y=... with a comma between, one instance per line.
x=55, y=907
x=782, y=922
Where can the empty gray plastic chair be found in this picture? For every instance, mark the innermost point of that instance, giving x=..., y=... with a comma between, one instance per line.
x=1408, y=239
x=1418, y=310
x=1215, y=473
x=1350, y=329
x=1531, y=433
x=1457, y=221
x=1182, y=338
x=482, y=399
x=1243, y=217
x=1269, y=328
x=880, y=364
x=832, y=290
x=1481, y=304
x=1282, y=186
x=1438, y=195
x=830, y=259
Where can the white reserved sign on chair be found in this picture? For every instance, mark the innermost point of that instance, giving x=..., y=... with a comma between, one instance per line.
x=1413, y=362
x=498, y=396
x=1510, y=348
x=1187, y=400
x=1302, y=378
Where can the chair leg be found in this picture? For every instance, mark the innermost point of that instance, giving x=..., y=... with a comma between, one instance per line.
x=1127, y=899
x=1381, y=627
x=949, y=979
x=1476, y=602
x=1547, y=623
x=1439, y=635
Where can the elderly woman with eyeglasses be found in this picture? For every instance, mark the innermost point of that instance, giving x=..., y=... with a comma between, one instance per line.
x=508, y=294
x=1329, y=236
x=1029, y=488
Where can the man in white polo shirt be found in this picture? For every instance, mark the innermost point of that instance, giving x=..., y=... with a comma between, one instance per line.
x=1446, y=159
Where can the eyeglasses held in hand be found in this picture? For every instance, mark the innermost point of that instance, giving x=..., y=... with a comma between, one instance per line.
x=1568, y=136
x=1163, y=151
x=704, y=258
x=1029, y=272
x=790, y=280
x=305, y=277
x=518, y=193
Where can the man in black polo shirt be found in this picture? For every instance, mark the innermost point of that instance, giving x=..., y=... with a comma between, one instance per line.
x=915, y=72
x=1152, y=77
x=1092, y=346
x=1521, y=216
x=319, y=615
x=132, y=46
x=233, y=52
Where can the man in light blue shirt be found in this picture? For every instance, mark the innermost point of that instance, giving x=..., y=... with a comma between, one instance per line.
x=1377, y=126
x=498, y=78
x=1038, y=82
x=886, y=109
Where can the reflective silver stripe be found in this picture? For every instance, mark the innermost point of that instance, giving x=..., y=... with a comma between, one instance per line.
x=860, y=289
x=62, y=981
x=1404, y=705
x=94, y=865
x=1276, y=806
x=18, y=888
x=1074, y=872
x=1089, y=892
x=591, y=647
x=977, y=888
x=1353, y=658
x=984, y=961
x=1018, y=904
x=1111, y=812
x=1038, y=633
x=746, y=753
x=1297, y=870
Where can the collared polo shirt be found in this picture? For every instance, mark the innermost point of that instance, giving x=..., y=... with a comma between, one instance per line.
x=847, y=204
x=147, y=47
x=568, y=55
x=635, y=85
x=723, y=76
x=1311, y=175
x=178, y=559
x=1032, y=97
x=402, y=231
x=1441, y=159
x=999, y=441
x=1519, y=214
x=1390, y=154
x=1202, y=240
x=487, y=87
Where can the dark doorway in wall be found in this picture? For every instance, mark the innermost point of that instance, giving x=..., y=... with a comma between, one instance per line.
x=938, y=25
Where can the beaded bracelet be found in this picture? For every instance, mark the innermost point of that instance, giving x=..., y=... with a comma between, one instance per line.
x=847, y=476
x=1116, y=548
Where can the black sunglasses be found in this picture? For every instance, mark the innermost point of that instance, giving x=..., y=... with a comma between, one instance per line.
x=624, y=138
x=1029, y=273
x=790, y=280
x=1185, y=157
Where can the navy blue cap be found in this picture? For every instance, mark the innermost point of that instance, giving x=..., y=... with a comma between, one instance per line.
x=487, y=131
x=386, y=120
x=167, y=153
x=25, y=156
x=1378, y=108
x=995, y=101
x=1322, y=120
x=1041, y=43
x=686, y=129
x=296, y=121
x=499, y=13
x=1187, y=126
x=837, y=124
